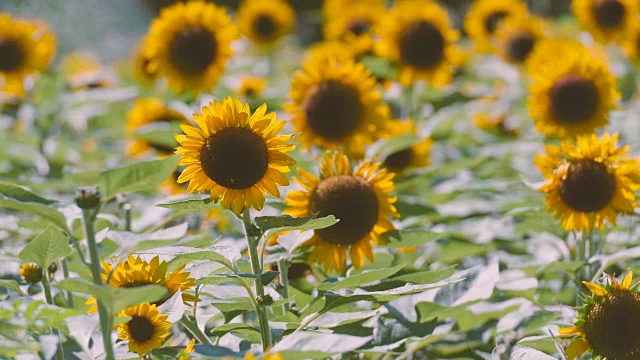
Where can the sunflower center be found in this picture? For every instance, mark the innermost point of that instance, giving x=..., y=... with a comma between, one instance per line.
x=235, y=158
x=351, y=200
x=192, y=50
x=520, y=46
x=141, y=329
x=421, y=44
x=398, y=160
x=588, y=186
x=492, y=21
x=11, y=55
x=333, y=110
x=573, y=99
x=609, y=13
x=264, y=26
x=612, y=325
x=358, y=26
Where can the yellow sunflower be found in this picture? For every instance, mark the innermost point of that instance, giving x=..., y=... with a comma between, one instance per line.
x=631, y=43
x=353, y=24
x=136, y=272
x=335, y=104
x=146, y=330
x=589, y=181
x=415, y=156
x=359, y=198
x=484, y=16
x=516, y=37
x=265, y=22
x=32, y=273
x=234, y=154
x=608, y=323
x=252, y=86
x=418, y=36
x=324, y=51
x=143, y=72
x=569, y=97
x=494, y=122
x=606, y=20
x=190, y=44
x=333, y=8
x=26, y=48
x=83, y=71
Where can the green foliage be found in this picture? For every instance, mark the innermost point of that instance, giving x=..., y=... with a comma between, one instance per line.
x=46, y=248
x=138, y=176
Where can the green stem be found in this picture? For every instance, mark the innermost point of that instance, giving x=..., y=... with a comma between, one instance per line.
x=307, y=323
x=193, y=328
x=47, y=295
x=407, y=108
x=127, y=216
x=283, y=267
x=65, y=270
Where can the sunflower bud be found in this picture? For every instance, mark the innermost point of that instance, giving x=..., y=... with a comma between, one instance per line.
x=32, y=273
x=87, y=197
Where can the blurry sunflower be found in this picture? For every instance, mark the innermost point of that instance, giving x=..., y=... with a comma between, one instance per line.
x=359, y=198
x=495, y=123
x=353, y=25
x=419, y=37
x=265, y=22
x=589, y=181
x=415, y=156
x=83, y=71
x=333, y=8
x=631, y=43
x=606, y=20
x=572, y=96
x=146, y=330
x=484, y=17
x=252, y=86
x=608, y=323
x=190, y=44
x=171, y=185
x=324, y=51
x=32, y=273
x=516, y=37
x=234, y=154
x=335, y=104
x=143, y=72
x=26, y=48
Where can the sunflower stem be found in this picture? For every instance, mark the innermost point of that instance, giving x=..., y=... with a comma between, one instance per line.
x=283, y=267
x=407, y=109
x=127, y=216
x=193, y=328
x=49, y=298
x=71, y=302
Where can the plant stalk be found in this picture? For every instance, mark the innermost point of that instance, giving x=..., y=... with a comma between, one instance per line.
x=283, y=267
x=47, y=295
x=71, y=302
x=193, y=328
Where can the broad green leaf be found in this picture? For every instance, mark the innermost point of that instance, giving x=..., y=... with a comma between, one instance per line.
x=188, y=206
x=226, y=328
x=363, y=278
x=46, y=248
x=271, y=225
x=16, y=198
x=404, y=238
x=233, y=307
x=224, y=255
x=425, y=277
x=12, y=285
x=21, y=194
x=396, y=144
x=137, y=176
x=160, y=134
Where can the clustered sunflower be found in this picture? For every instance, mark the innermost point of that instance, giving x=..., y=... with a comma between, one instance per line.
x=517, y=36
x=265, y=22
x=146, y=330
x=607, y=20
x=485, y=16
x=416, y=155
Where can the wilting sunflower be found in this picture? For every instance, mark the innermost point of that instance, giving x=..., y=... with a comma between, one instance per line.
x=516, y=37
x=190, y=44
x=146, y=330
x=608, y=323
x=26, y=48
x=234, y=154
x=359, y=198
x=589, y=181
x=484, y=16
x=265, y=22
x=569, y=97
x=32, y=273
x=252, y=86
x=416, y=155
x=335, y=104
x=606, y=20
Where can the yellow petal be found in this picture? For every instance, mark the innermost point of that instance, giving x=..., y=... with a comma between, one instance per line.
x=577, y=348
x=626, y=283
x=570, y=331
x=596, y=289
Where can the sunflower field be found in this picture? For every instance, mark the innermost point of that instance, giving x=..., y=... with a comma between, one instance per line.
x=308, y=179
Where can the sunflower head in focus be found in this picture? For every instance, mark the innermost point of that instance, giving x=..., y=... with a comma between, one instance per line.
x=190, y=44
x=589, y=181
x=147, y=112
x=265, y=22
x=26, y=48
x=251, y=87
x=359, y=198
x=417, y=155
x=146, y=330
x=569, y=97
x=606, y=20
x=32, y=273
x=516, y=37
x=484, y=17
x=236, y=155
x=608, y=323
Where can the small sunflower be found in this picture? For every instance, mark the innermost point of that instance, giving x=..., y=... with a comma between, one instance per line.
x=32, y=273
x=418, y=36
x=26, y=48
x=516, y=37
x=589, y=181
x=265, y=22
x=146, y=330
x=252, y=86
x=606, y=20
x=359, y=199
x=335, y=104
x=484, y=17
x=234, y=154
x=190, y=44
x=415, y=156
x=608, y=323
x=569, y=97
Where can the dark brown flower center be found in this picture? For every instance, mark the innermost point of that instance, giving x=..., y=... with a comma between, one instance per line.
x=492, y=21
x=265, y=27
x=235, y=158
x=141, y=329
x=520, y=46
x=351, y=200
x=333, y=110
x=612, y=325
x=421, y=45
x=573, y=99
x=32, y=273
x=192, y=50
x=298, y=270
x=588, y=186
x=359, y=26
x=609, y=13
x=11, y=55
x=399, y=160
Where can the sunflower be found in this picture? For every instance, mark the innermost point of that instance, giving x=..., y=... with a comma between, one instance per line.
x=516, y=37
x=494, y=122
x=359, y=199
x=606, y=20
x=190, y=44
x=146, y=330
x=26, y=48
x=252, y=86
x=235, y=155
x=143, y=72
x=32, y=273
x=632, y=43
x=136, y=272
x=333, y=8
x=418, y=35
x=184, y=354
x=589, y=182
x=335, y=104
x=484, y=17
x=83, y=71
x=324, y=51
x=572, y=96
x=414, y=156
x=265, y=22
x=353, y=24
x=145, y=112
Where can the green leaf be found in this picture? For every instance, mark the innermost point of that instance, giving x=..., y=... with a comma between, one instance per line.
x=402, y=238
x=137, y=176
x=46, y=248
x=190, y=205
x=233, y=307
x=271, y=225
x=363, y=278
x=160, y=134
x=396, y=144
x=425, y=277
x=21, y=194
x=12, y=285
x=184, y=254
x=18, y=198
x=227, y=328
x=309, y=342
